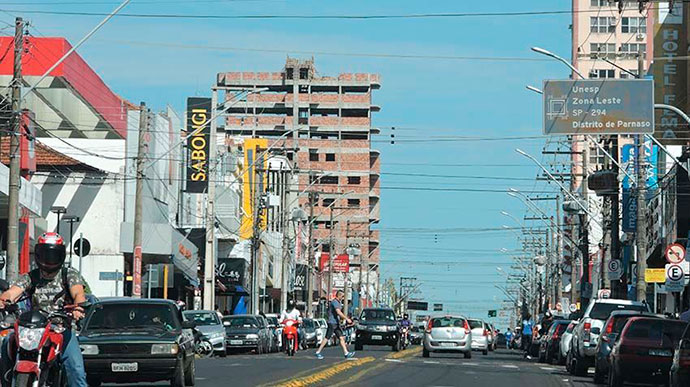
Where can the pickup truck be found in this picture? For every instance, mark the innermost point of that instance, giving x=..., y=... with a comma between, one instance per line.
x=586, y=333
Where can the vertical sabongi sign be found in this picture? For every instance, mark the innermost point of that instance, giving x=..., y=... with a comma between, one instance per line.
x=198, y=116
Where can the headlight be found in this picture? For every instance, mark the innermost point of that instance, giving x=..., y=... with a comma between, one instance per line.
x=89, y=349
x=30, y=338
x=164, y=349
x=252, y=336
x=392, y=328
x=216, y=335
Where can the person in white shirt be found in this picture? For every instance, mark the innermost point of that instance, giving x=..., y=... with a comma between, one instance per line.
x=292, y=313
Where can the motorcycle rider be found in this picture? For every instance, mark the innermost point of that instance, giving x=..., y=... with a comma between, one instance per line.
x=292, y=313
x=406, y=323
x=50, y=286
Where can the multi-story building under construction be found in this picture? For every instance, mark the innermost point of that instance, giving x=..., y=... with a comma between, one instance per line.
x=327, y=123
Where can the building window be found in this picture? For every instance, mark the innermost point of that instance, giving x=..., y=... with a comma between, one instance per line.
x=600, y=50
x=313, y=155
x=289, y=73
x=354, y=180
x=330, y=156
x=596, y=156
x=327, y=202
x=329, y=179
x=353, y=202
x=602, y=24
x=634, y=25
x=625, y=75
x=594, y=74
x=600, y=3
x=303, y=73
x=631, y=50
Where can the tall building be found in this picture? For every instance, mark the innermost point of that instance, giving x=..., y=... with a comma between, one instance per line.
x=328, y=122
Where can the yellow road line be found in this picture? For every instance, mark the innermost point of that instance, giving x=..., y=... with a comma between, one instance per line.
x=396, y=355
x=405, y=353
x=324, y=375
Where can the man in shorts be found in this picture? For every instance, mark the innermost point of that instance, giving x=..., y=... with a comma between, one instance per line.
x=335, y=313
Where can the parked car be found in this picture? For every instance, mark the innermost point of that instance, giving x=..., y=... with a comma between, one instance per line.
x=680, y=368
x=416, y=335
x=612, y=328
x=644, y=350
x=491, y=336
x=309, y=330
x=127, y=340
x=564, y=345
x=210, y=326
x=501, y=340
x=550, y=343
x=480, y=335
x=586, y=334
x=321, y=329
x=377, y=326
x=448, y=334
x=247, y=332
x=277, y=330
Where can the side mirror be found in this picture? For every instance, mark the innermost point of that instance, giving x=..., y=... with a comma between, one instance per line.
x=684, y=344
x=188, y=325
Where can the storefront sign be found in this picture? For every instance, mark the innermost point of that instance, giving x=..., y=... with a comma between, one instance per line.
x=198, y=130
x=341, y=263
x=300, y=277
x=231, y=271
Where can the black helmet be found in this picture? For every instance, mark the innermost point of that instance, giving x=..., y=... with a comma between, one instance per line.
x=406, y=316
x=291, y=304
x=50, y=252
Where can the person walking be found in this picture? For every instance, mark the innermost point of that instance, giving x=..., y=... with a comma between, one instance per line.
x=335, y=313
x=527, y=332
x=509, y=338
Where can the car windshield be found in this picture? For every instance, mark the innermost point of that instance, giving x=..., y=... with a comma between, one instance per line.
x=272, y=320
x=602, y=311
x=656, y=329
x=474, y=324
x=378, y=315
x=126, y=316
x=241, y=322
x=446, y=322
x=202, y=318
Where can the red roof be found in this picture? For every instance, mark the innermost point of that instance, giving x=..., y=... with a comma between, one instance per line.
x=45, y=156
x=41, y=53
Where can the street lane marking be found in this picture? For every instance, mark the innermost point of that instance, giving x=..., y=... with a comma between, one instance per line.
x=548, y=368
x=509, y=366
x=326, y=374
x=431, y=362
x=393, y=360
x=405, y=353
x=470, y=364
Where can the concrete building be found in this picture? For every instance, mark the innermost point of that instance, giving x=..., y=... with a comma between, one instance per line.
x=327, y=123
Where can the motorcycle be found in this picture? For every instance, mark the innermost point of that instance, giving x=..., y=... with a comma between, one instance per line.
x=36, y=346
x=405, y=337
x=290, y=336
x=202, y=346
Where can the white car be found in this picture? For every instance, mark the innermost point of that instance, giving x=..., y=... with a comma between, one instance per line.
x=480, y=335
x=321, y=328
x=566, y=339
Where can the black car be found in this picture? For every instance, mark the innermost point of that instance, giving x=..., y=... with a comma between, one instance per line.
x=377, y=326
x=550, y=343
x=612, y=328
x=126, y=340
x=247, y=331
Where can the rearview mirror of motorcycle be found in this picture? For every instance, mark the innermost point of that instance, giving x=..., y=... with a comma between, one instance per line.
x=4, y=285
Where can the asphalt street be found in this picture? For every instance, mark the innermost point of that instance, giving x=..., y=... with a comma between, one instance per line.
x=381, y=367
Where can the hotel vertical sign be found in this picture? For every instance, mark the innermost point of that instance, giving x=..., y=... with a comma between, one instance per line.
x=198, y=130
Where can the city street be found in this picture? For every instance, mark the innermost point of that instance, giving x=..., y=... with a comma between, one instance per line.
x=380, y=367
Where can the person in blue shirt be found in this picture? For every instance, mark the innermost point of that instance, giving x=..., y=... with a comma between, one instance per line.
x=527, y=331
x=509, y=338
x=335, y=313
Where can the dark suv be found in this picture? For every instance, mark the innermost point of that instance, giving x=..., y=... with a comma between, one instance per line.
x=377, y=326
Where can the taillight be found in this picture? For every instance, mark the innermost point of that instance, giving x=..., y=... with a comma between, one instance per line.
x=486, y=332
x=467, y=328
x=555, y=335
x=684, y=358
x=587, y=329
x=609, y=327
x=428, y=326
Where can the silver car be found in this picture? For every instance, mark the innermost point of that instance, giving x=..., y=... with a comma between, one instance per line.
x=566, y=339
x=448, y=334
x=208, y=323
x=480, y=335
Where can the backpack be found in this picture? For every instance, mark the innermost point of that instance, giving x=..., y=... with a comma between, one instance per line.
x=35, y=277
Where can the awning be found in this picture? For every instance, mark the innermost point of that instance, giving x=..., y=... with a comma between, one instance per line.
x=241, y=291
x=30, y=197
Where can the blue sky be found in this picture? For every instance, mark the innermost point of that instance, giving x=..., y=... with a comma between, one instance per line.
x=422, y=98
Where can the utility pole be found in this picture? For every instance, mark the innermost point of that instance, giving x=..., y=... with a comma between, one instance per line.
x=617, y=287
x=13, y=205
x=138, y=202
x=310, y=255
x=559, y=251
x=210, y=253
x=331, y=249
x=585, y=285
x=641, y=285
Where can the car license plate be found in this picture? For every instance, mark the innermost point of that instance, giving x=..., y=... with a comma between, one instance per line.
x=124, y=367
x=660, y=352
x=376, y=337
x=448, y=344
x=235, y=342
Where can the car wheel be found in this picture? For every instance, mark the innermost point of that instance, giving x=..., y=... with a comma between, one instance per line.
x=178, y=379
x=425, y=353
x=569, y=363
x=93, y=382
x=190, y=373
x=358, y=346
x=541, y=358
x=615, y=380
x=468, y=355
x=259, y=349
x=223, y=353
x=396, y=346
x=580, y=366
x=485, y=352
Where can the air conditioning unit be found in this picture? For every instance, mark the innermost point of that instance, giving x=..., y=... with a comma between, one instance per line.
x=639, y=37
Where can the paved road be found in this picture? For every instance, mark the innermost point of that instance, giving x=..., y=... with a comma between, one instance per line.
x=380, y=367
